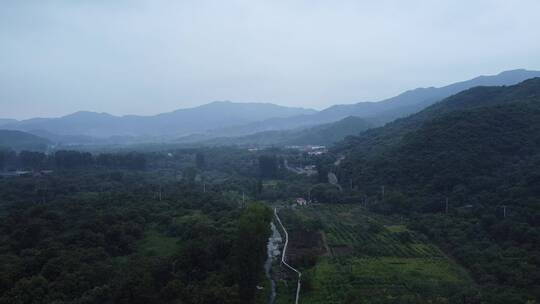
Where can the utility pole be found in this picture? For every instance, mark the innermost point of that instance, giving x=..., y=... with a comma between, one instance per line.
x=204, y=187
x=243, y=199
x=504, y=211
x=446, y=208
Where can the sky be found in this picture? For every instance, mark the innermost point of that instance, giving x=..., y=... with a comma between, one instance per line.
x=147, y=57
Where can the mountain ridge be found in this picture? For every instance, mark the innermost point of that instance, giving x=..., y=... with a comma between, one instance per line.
x=230, y=119
x=18, y=140
x=212, y=115
x=384, y=111
x=324, y=134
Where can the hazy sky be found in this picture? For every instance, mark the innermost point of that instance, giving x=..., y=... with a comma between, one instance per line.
x=146, y=57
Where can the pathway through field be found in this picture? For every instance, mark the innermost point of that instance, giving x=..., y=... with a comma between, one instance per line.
x=283, y=257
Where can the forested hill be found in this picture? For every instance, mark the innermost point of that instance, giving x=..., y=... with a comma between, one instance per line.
x=18, y=140
x=325, y=134
x=375, y=141
x=479, y=151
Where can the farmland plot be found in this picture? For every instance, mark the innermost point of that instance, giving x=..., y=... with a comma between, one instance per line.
x=374, y=259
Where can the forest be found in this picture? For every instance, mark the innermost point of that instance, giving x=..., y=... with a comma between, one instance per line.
x=101, y=230
x=465, y=171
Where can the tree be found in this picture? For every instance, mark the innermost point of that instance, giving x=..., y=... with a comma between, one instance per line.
x=3, y=157
x=31, y=160
x=200, y=161
x=253, y=233
x=322, y=173
x=31, y=290
x=268, y=167
x=73, y=159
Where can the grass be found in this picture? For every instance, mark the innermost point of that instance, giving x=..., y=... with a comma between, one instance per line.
x=333, y=280
x=376, y=259
x=155, y=243
x=396, y=228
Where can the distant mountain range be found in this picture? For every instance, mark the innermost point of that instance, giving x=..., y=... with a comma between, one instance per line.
x=386, y=110
x=5, y=121
x=173, y=124
x=228, y=119
x=285, y=130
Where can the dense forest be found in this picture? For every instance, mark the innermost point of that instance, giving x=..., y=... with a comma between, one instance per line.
x=466, y=171
x=102, y=230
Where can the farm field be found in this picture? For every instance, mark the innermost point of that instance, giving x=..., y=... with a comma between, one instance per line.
x=371, y=259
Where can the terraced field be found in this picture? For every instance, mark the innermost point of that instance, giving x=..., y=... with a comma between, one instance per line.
x=347, y=226
x=376, y=259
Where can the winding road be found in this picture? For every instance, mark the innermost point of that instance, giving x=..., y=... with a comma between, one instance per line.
x=283, y=257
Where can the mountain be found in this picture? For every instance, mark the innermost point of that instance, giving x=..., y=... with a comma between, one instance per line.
x=468, y=170
x=5, y=121
x=479, y=121
x=324, y=134
x=228, y=119
x=386, y=110
x=181, y=122
x=17, y=140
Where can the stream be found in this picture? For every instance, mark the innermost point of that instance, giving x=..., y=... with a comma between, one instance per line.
x=272, y=248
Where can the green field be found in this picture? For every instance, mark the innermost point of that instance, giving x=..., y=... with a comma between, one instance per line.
x=376, y=259
x=155, y=243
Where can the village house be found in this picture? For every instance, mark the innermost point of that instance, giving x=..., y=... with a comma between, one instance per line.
x=301, y=201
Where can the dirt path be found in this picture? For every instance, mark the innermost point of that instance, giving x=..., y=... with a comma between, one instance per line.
x=283, y=257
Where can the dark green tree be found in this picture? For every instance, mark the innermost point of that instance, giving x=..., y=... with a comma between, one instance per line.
x=253, y=233
x=200, y=161
x=268, y=166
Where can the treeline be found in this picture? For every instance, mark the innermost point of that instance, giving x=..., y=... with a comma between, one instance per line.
x=78, y=237
x=30, y=160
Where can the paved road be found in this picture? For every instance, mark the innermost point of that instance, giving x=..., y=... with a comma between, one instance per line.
x=283, y=257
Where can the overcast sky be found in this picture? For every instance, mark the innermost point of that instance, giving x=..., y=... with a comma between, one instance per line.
x=146, y=57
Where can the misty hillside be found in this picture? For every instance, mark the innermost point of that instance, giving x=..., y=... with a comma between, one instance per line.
x=228, y=119
x=5, y=121
x=324, y=134
x=474, y=133
x=18, y=140
x=389, y=109
x=180, y=122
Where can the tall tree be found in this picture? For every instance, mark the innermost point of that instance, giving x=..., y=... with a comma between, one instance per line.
x=200, y=161
x=250, y=249
x=268, y=166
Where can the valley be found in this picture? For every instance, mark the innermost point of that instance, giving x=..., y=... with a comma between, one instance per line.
x=269, y=152
x=438, y=207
